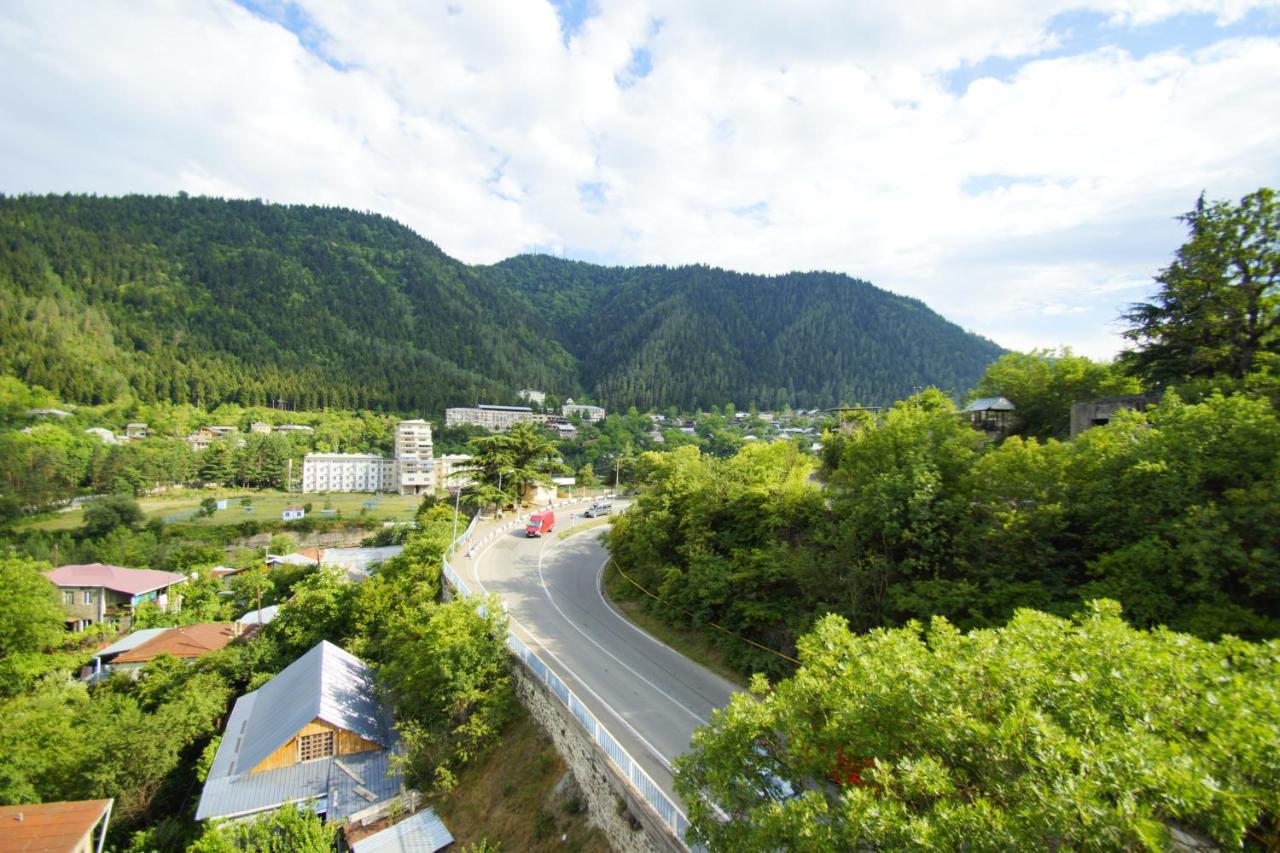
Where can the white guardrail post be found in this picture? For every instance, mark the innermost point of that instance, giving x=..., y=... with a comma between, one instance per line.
x=631, y=771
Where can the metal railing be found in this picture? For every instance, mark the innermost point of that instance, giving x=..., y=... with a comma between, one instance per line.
x=640, y=781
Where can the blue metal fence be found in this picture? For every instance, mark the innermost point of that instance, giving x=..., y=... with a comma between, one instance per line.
x=631, y=771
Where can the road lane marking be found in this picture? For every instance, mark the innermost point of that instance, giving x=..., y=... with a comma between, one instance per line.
x=542, y=579
x=654, y=752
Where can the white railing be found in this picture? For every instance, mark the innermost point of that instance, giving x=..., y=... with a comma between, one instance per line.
x=640, y=781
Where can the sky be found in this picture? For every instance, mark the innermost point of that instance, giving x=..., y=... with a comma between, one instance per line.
x=1017, y=164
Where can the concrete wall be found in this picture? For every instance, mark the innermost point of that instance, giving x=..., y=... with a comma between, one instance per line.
x=630, y=828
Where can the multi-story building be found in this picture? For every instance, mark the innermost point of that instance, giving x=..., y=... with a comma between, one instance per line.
x=415, y=468
x=492, y=418
x=580, y=410
x=347, y=472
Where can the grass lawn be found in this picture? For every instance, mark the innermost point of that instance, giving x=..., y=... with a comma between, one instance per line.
x=505, y=798
x=263, y=506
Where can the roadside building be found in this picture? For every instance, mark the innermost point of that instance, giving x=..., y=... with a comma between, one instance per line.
x=992, y=415
x=96, y=592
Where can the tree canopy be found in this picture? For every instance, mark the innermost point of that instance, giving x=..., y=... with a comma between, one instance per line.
x=1217, y=313
x=1045, y=733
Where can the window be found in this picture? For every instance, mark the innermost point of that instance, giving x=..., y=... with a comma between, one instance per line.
x=68, y=596
x=319, y=745
x=88, y=596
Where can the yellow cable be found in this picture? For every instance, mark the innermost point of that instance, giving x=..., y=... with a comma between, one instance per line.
x=619, y=570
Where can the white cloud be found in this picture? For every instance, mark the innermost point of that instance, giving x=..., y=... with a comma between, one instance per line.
x=808, y=135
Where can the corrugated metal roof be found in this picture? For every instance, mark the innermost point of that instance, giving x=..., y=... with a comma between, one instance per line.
x=130, y=641
x=184, y=641
x=423, y=832
x=268, y=613
x=327, y=683
x=990, y=404
x=117, y=578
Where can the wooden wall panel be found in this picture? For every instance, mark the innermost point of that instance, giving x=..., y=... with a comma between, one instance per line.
x=344, y=743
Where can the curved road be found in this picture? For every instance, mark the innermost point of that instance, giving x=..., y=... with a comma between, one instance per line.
x=648, y=696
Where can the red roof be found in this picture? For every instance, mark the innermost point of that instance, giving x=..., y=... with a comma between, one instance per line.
x=49, y=826
x=131, y=581
x=185, y=641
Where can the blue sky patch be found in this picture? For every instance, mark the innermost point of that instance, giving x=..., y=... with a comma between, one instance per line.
x=295, y=19
x=1080, y=32
x=573, y=14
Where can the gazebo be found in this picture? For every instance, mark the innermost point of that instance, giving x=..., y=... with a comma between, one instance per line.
x=991, y=414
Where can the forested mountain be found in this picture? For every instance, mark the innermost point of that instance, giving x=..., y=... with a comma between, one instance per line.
x=700, y=336
x=205, y=300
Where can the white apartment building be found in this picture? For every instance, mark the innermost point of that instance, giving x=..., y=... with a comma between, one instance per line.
x=574, y=410
x=415, y=468
x=347, y=472
x=492, y=418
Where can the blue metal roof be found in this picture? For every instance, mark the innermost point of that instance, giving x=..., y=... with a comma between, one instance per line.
x=423, y=832
x=328, y=684
x=129, y=641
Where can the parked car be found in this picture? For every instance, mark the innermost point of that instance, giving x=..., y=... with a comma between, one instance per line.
x=598, y=509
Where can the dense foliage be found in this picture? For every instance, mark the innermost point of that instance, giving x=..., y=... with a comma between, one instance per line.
x=698, y=336
x=205, y=301
x=1172, y=512
x=1047, y=733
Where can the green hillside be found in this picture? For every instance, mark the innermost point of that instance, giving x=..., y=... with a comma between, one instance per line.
x=699, y=336
x=205, y=300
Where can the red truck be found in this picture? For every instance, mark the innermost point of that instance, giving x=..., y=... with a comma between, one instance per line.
x=540, y=523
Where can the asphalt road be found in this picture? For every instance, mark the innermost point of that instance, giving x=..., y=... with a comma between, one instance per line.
x=648, y=696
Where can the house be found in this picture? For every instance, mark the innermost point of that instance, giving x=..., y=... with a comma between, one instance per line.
x=259, y=426
x=358, y=563
x=315, y=733
x=96, y=592
x=296, y=559
x=260, y=617
x=66, y=827
x=991, y=414
x=102, y=658
x=293, y=513
x=578, y=410
x=423, y=832
x=135, y=431
x=186, y=642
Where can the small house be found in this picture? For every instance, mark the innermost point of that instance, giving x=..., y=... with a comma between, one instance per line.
x=96, y=592
x=67, y=827
x=135, y=431
x=186, y=642
x=293, y=513
x=260, y=427
x=992, y=415
x=316, y=733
